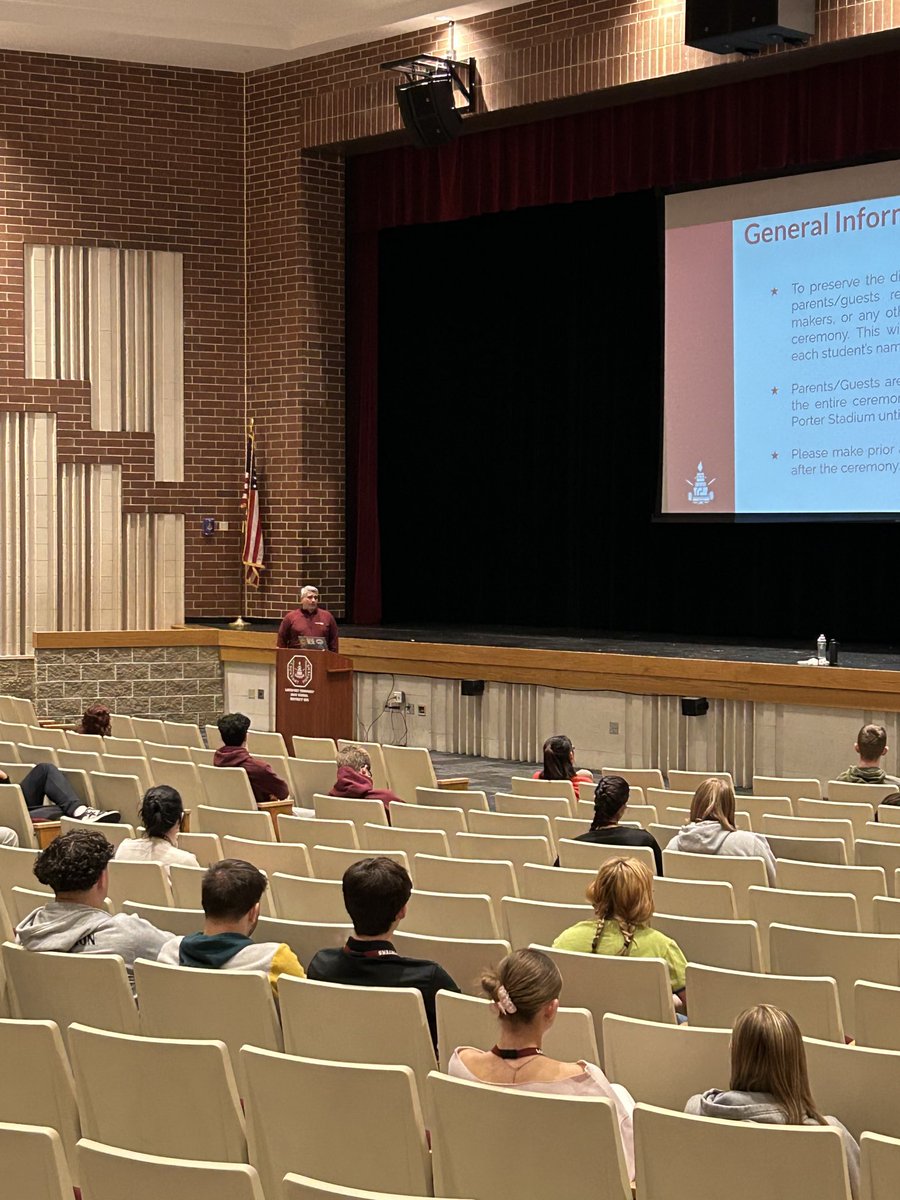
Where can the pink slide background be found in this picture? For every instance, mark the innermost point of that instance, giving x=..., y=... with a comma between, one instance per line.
x=699, y=366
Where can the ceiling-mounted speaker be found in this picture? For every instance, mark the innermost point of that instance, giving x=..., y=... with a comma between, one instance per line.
x=748, y=26
x=428, y=110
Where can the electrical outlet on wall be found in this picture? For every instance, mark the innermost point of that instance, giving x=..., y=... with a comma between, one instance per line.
x=396, y=699
x=614, y=727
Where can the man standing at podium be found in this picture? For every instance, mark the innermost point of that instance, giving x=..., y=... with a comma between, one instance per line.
x=308, y=621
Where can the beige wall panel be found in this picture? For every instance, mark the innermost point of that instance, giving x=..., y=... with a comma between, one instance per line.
x=153, y=567
x=90, y=546
x=169, y=547
x=138, y=340
x=168, y=366
x=105, y=339
x=55, y=286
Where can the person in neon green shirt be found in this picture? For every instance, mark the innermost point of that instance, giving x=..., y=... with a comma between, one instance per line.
x=622, y=897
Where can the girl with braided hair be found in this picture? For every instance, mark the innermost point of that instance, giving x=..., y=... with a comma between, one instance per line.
x=622, y=899
x=610, y=801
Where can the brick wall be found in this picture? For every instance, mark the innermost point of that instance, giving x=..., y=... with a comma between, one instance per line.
x=17, y=677
x=100, y=153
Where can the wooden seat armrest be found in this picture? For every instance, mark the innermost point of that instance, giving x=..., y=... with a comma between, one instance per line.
x=459, y=785
x=274, y=807
x=46, y=832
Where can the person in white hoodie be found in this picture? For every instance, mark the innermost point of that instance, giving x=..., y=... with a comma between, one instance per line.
x=75, y=921
x=770, y=1082
x=710, y=829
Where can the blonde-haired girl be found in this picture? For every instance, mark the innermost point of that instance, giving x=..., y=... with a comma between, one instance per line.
x=711, y=830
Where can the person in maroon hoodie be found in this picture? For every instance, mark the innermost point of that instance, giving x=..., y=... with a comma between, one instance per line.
x=354, y=778
x=265, y=783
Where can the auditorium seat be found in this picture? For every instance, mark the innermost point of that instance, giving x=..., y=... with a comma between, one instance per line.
x=469, y=876
x=23, y=901
x=340, y=1022
x=148, y=729
x=662, y=798
x=887, y=912
x=260, y=741
x=36, y=1085
x=810, y=910
x=297, y=1119
x=732, y=945
x=360, y=811
x=123, y=764
x=880, y=854
x=90, y=742
x=410, y=767
x=31, y=753
x=513, y=804
x=254, y=826
x=234, y=1007
x=301, y=1187
x=454, y=797
x=113, y=1174
x=213, y=737
x=157, y=1095
x=830, y=852
x=689, y=781
x=858, y=1085
x=319, y=831
x=201, y=757
x=114, y=832
x=301, y=898
x=180, y=922
x=889, y=814
x=288, y=858
x=526, y=922
x=665, y=1064
x=537, y=1145
x=135, y=747
x=15, y=731
x=571, y=828
x=34, y=1165
x=91, y=988
x=759, y=807
x=305, y=938
x=555, y=885
x=741, y=873
x=453, y=915
x=309, y=777
x=81, y=760
x=220, y=787
x=411, y=841
x=642, y=777
x=380, y=777
x=877, y=1015
x=463, y=959
x=864, y=882
x=643, y=814
x=880, y=831
x=846, y=957
x=512, y=825
x=857, y=814
x=421, y=816
x=323, y=748
x=695, y=898
x=879, y=1167
x=9, y=752
x=517, y=850
x=186, y=885
x=472, y=1021
x=781, y=785
x=16, y=867
x=586, y=856
x=812, y=827
x=46, y=736
x=631, y=987
x=681, y=1157
x=859, y=793
x=545, y=789
x=330, y=862
x=181, y=733
x=120, y=725
x=143, y=882
x=205, y=847
x=717, y=997
x=118, y=792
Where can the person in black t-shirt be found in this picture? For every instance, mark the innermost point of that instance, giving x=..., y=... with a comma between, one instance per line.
x=610, y=799
x=376, y=892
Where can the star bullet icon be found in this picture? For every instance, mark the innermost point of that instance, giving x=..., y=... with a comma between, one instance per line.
x=774, y=391
x=774, y=453
x=774, y=291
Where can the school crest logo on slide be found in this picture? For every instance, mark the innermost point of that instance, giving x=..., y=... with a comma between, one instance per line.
x=299, y=671
x=701, y=490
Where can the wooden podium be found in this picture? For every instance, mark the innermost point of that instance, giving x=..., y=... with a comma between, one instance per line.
x=313, y=694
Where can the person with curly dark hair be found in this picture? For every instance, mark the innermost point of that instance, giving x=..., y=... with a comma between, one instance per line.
x=96, y=719
x=75, y=921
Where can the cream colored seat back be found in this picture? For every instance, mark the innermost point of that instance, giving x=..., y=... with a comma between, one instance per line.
x=527, y=922
x=880, y=854
x=234, y=822
x=272, y=857
x=517, y=850
x=859, y=793
x=656, y=1065
x=858, y=1085
x=695, y=898
x=813, y=827
x=300, y=898
x=741, y=873
x=442, y=797
x=733, y=945
x=833, y=810
x=113, y=1174
x=877, y=1015
x=462, y=958
x=91, y=742
x=555, y=885
x=121, y=764
x=185, y=779
x=115, y=833
x=315, y=831
x=473, y=877
x=824, y=851
x=310, y=777
x=514, y=804
x=34, y=1164
x=180, y=733
x=642, y=777
x=121, y=792
x=329, y=862
x=323, y=748
x=454, y=915
x=342, y=808
x=421, y=816
x=261, y=741
x=221, y=787
x=143, y=882
x=794, y=789
x=411, y=841
x=811, y=910
x=545, y=789
x=689, y=781
x=135, y=747
x=717, y=998
x=581, y=856
x=148, y=729
x=180, y=922
x=305, y=938
x=408, y=768
x=879, y=1167
x=864, y=882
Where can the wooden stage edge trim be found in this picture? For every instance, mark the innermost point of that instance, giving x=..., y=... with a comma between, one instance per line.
x=643, y=675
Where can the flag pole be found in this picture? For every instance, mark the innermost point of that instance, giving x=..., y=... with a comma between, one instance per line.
x=239, y=622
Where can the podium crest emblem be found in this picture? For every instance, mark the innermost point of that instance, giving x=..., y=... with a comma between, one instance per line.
x=299, y=671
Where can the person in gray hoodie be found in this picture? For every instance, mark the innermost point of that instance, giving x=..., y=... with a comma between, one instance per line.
x=74, y=866
x=770, y=1082
x=710, y=829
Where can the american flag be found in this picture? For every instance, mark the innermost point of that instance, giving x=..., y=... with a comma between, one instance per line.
x=254, y=549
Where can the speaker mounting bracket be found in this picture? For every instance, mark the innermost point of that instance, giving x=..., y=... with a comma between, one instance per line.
x=431, y=66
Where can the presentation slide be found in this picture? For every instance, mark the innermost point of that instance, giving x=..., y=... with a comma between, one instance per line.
x=782, y=356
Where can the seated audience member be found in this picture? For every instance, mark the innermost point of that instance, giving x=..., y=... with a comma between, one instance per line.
x=231, y=892
x=45, y=781
x=610, y=800
x=559, y=762
x=265, y=783
x=871, y=746
x=161, y=814
x=95, y=719
x=376, y=891
x=354, y=778
x=710, y=828
x=622, y=897
x=769, y=1080
x=74, y=867
x=525, y=992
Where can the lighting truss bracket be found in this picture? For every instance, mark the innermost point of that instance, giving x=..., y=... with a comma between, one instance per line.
x=431, y=66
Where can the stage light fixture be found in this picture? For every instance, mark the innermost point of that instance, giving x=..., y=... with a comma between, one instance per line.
x=436, y=93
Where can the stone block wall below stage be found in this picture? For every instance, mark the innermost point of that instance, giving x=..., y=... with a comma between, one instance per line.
x=174, y=683
x=17, y=676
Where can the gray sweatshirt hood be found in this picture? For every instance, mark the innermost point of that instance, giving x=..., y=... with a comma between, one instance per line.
x=62, y=927
x=739, y=1106
x=700, y=837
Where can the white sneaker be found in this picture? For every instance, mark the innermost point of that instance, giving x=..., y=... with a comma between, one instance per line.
x=96, y=815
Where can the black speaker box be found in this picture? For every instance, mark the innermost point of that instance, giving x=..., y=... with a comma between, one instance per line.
x=427, y=110
x=471, y=687
x=747, y=26
x=694, y=706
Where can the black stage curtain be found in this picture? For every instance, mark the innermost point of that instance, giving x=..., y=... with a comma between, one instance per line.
x=603, y=561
